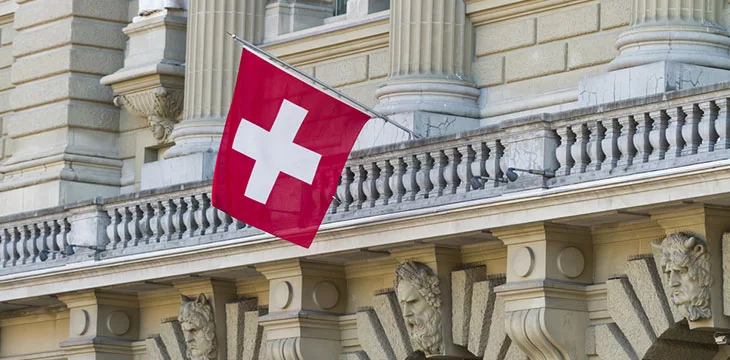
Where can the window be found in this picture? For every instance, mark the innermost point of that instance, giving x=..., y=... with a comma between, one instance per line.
x=340, y=7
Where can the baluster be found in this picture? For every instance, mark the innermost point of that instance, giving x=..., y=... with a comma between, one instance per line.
x=722, y=124
x=579, y=149
x=177, y=218
x=675, y=120
x=623, y=132
x=122, y=227
x=450, y=175
x=212, y=216
x=16, y=239
x=382, y=184
x=111, y=229
x=37, y=242
x=410, y=185
x=423, y=177
x=464, y=170
x=22, y=244
x=167, y=207
x=396, y=181
x=133, y=226
x=241, y=225
x=58, y=237
x=563, y=151
x=706, y=127
x=144, y=224
x=493, y=161
x=479, y=166
x=642, y=143
x=227, y=221
x=198, y=215
x=593, y=148
x=369, y=187
x=611, y=146
x=156, y=222
x=690, y=131
x=344, y=196
x=359, y=177
x=48, y=240
x=441, y=162
x=658, y=135
x=64, y=228
x=5, y=250
x=189, y=216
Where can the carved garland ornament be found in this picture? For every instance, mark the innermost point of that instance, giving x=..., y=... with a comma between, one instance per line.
x=685, y=260
x=161, y=106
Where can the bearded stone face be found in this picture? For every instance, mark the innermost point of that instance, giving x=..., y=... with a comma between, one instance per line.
x=422, y=320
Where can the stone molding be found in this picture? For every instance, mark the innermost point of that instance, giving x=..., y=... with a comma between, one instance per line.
x=161, y=106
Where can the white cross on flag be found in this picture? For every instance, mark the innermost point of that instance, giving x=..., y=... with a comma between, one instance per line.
x=283, y=148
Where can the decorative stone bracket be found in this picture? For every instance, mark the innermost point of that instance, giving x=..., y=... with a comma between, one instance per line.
x=161, y=106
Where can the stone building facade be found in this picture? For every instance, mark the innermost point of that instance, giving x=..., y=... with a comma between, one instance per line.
x=569, y=197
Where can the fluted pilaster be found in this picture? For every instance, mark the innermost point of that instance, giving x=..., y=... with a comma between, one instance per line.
x=211, y=68
x=691, y=32
x=431, y=52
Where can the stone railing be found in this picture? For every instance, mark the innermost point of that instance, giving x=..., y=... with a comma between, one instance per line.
x=648, y=134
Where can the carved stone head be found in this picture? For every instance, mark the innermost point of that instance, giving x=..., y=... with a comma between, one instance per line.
x=198, y=325
x=419, y=295
x=684, y=258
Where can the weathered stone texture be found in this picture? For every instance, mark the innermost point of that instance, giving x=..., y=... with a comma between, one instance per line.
x=173, y=338
x=607, y=342
x=726, y=274
x=592, y=50
x=505, y=36
x=482, y=310
x=379, y=64
x=498, y=339
x=389, y=313
x=648, y=288
x=627, y=312
x=615, y=13
x=372, y=336
x=356, y=355
x=70, y=30
x=462, y=285
x=156, y=349
x=535, y=61
x=344, y=72
x=567, y=23
x=489, y=70
x=44, y=11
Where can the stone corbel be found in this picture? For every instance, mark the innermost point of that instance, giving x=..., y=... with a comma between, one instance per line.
x=161, y=106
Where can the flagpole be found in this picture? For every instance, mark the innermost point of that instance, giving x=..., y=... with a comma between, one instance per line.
x=319, y=82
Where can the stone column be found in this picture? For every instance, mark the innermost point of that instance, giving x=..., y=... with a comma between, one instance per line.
x=431, y=50
x=102, y=325
x=210, y=76
x=689, y=32
x=305, y=301
x=670, y=45
x=548, y=267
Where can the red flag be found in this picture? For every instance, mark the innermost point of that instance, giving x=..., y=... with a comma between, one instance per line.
x=283, y=149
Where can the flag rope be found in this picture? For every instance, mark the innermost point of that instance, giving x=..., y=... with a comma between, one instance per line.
x=321, y=83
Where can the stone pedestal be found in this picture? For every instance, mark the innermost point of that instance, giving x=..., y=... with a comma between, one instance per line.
x=283, y=17
x=64, y=125
x=305, y=301
x=430, y=67
x=101, y=325
x=546, y=311
x=360, y=8
x=644, y=80
x=210, y=75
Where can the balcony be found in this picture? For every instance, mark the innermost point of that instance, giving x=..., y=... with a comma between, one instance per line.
x=676, y=132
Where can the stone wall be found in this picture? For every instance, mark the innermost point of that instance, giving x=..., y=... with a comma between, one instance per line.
x=531, y=56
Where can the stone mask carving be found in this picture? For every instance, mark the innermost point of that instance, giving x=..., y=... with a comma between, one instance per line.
x=684, y=258
x=418, y=292
x=198, y=325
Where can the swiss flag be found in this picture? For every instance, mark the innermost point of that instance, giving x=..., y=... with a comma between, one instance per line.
x=283, y=149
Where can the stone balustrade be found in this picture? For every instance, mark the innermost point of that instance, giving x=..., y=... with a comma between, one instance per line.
x=648, y=134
